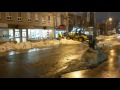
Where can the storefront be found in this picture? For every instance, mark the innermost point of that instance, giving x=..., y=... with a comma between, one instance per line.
x=60, y=30
x=36, y=34
x=22, y=35
x=4, y=33
x=19, y=35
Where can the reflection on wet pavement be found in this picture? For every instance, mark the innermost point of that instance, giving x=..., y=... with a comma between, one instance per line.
x=37, y=62
x=13, y=52
x=108, y=69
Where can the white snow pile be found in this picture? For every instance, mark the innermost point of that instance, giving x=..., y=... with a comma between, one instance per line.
x=101, y=37
x=65, y=41
x=107, y=44
x=110, y=41
x=8, y=46
x=117, y=36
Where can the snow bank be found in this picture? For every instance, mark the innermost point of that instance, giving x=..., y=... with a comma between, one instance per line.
x=109, y=41
x=6, y=47
x=28, y=45
x=101, y=37
x=65, y=41
x=94, y=57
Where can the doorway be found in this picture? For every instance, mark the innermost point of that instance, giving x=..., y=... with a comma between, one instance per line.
x=20, y=35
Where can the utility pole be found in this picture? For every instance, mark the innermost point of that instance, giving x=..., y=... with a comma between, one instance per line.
x=55, y=22
x=94, y=21
x=76, y=20
x=92, y=38
x=67, y=22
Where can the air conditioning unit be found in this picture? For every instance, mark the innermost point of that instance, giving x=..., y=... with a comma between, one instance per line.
x=29, y=20
x=19, y=19
x=9, y=18
x=36, y=20
x=43, y=21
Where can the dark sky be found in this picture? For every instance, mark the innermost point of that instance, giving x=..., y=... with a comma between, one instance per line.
x=102, y=16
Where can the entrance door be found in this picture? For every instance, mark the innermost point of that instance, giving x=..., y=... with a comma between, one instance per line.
x=20, y=35
x=17, y=35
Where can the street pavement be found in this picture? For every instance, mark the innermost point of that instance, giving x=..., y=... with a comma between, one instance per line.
x=108, y=69
x=38, y=62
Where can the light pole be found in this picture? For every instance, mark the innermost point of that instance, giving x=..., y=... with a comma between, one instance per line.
x=67, y=22
x=107, y=27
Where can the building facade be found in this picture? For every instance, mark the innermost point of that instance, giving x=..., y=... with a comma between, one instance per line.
x=23, y=26
x=60, y=23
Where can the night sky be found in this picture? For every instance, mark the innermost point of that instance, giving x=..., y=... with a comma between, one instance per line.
x=102, y=16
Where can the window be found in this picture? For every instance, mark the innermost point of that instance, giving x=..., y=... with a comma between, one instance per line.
x=9, y=15
x=29, y=16
x=19, y=17
x=49, y=19
x=43, y=19
x=36, y=17
x=0, y=15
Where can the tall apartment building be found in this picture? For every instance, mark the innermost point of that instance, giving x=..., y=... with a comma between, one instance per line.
x=23, y=26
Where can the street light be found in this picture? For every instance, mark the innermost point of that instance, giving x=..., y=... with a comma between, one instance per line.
x=109, y=20
x=67, y=22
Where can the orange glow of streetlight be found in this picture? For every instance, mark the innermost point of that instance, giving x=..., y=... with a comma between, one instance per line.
x=110, y=19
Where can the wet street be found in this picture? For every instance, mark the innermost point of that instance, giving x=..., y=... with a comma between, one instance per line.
x=57, y=61
x=38, y=63
x=107, y=69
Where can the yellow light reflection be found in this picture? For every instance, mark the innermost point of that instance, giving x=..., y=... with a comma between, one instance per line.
x=11, y=53
x=112, y=52
x=108, y=39
x=77, y=74
x=110, y=65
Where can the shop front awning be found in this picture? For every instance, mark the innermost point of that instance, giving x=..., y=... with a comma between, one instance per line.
x=62, y=27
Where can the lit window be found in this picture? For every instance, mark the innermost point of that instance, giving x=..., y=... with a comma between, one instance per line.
x=43, y=19
x=36, y=17
x=29, y=14
x=19, y=17
x=49, y=19
x=9, y=15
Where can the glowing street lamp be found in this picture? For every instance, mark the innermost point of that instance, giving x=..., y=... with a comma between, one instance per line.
x=108, y=21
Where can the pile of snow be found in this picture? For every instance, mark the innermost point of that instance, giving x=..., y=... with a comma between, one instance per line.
x=6, y=47
x=65, y=41
x=28, y=45
x=38, y=44
x=114, y=43
x=101, y=37
x=110, y=41
x=117, y=37
x=104, y=44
